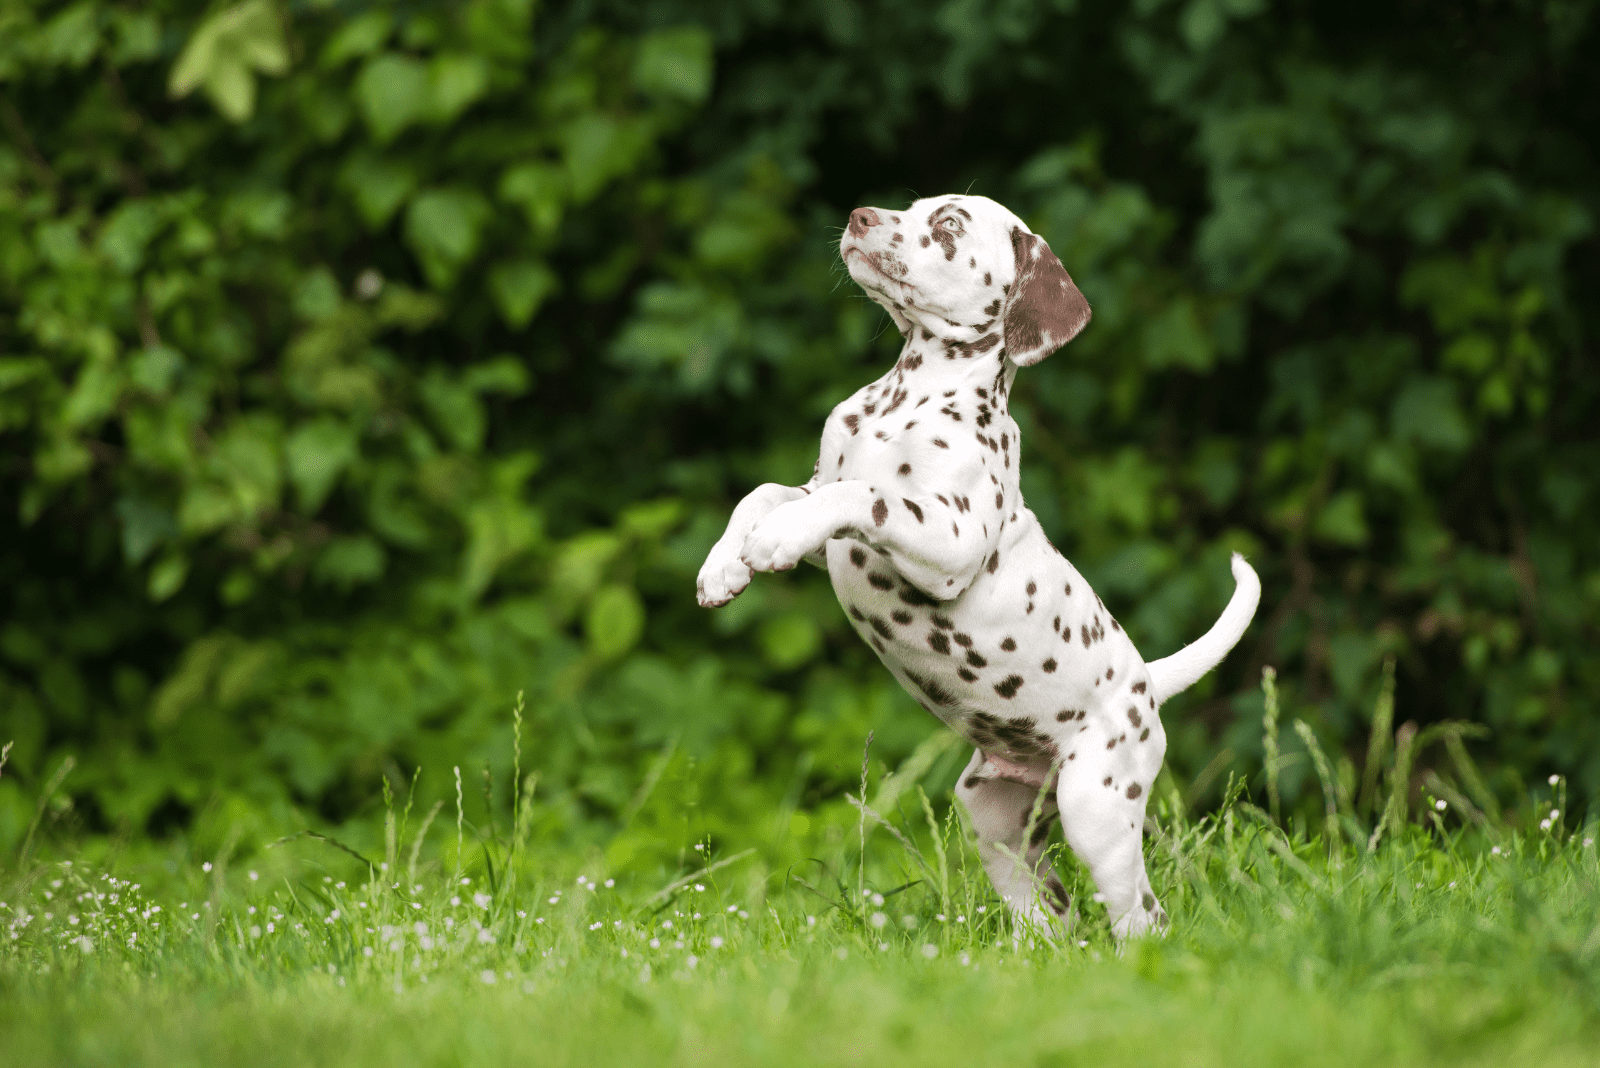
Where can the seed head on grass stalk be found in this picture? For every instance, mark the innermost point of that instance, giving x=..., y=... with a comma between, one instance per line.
x=460, y=841
x=1269, y=739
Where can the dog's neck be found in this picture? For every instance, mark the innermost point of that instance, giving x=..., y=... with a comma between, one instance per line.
x=936, y=366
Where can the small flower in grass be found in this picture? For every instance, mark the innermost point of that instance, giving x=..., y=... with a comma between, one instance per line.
x=966, y=958
x=481, y=900
x=666, y=925
x=555, y=899
x=939, y=916
x=733, y=908
x=1495, y=851
x=255, y=931
x=1588, y=843
x=455, y=901
x=983, y=908
x=716, y=941
x=743, y=915
x=1555, y=813
x=271, y=927
x=416, y=904
x=254, y=876
x=1440, y=806
x=334, y=914
x=811, y=921
x=1083, y=944
x=206, y=866
x=488, y=976
x=538, y=919
x=595, y=926
x=610, y=883
x=930, y=950
x=877, y=899
x=1544, y=825
x=465, y=881
x=1554, y=779
x=699, y=888
x=655, y=943
x=521, y=915
x=366, y=951
x=961, y=919
x=878, y=919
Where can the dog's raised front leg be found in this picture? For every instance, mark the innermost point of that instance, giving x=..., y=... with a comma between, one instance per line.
x=924, y=542
x=723, y=576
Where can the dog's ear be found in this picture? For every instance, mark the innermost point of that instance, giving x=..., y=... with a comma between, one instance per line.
x=1044, y=310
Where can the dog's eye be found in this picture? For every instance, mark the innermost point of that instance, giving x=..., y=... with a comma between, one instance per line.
x=952, y=223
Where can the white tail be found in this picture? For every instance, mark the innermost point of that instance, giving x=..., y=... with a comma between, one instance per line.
x=1176, y=673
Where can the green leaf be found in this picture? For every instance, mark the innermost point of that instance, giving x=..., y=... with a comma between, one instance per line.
x=347, y=562
x=224, y=53
x=361, y=36
x=456, y=80
x=540, y=189
x=146, y=523
x=674, y=65
x=614, y=621
x=392, y=92
x=519, y=287
x=790, y=639
x=167, y=577
x=442, y=227
x=1341, y=520
x=317, y=454
x=1426, y=412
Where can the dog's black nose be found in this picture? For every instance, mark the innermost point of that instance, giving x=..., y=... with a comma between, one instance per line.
x=861, y=220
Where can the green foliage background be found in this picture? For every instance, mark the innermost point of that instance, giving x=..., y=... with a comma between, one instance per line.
x=363, y=363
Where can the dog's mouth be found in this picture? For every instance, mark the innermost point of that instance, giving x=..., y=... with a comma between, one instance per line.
x=885, y=264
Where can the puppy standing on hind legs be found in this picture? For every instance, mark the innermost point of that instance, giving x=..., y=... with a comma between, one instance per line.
x=915, y=510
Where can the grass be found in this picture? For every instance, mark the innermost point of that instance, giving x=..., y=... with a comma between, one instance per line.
x=1375, y=938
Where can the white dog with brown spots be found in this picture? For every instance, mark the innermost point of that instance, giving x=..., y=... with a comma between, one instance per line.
x=914, y=509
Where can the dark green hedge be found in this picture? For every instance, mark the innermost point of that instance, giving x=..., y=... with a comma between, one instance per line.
x=364, y=363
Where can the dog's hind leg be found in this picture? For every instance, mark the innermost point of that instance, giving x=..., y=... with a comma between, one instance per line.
x=1012, y=857
x=1102, y=813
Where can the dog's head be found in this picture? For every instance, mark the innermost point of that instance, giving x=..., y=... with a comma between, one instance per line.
x=964, y=269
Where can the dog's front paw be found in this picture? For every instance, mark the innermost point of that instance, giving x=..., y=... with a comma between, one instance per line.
x=722, y=578
x=780, y=540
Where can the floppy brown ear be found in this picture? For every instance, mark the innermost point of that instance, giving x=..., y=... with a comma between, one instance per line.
x=1044, y=310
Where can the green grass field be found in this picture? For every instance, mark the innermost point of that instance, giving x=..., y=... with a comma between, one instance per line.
x=1471, y=944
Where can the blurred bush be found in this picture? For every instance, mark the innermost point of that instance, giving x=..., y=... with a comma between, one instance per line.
x=362, y=363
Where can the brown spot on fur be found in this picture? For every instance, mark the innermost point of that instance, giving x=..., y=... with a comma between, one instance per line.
x=905, y=469
x=963, y=640
x=1138, y=687
x=1048, y=666
x=939, y=642
x=912, y=506
x=901, y=616
x=1009, y=686
x=881, y=582
x=1009, y=645
x=858, y=556
x=967, y=675
x=880, y=512
x=880, y=626
x=976, y=659
x=1144, y=734
x=1133, y=792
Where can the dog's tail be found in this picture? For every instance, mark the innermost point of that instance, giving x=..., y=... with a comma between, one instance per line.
x=1176, y=673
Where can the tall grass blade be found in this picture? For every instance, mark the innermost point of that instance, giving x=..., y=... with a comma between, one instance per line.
x=1378, y=742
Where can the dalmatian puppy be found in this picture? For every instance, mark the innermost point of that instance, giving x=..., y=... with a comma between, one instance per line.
x=914, y=509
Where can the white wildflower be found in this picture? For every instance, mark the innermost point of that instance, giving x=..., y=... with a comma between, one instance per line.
x=878, y=919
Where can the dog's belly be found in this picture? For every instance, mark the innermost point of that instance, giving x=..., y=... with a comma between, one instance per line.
x=1023, y=661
